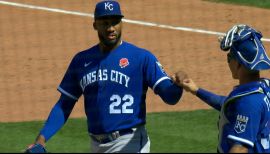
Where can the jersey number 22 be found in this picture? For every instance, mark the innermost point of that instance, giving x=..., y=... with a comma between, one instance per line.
x=120, y=105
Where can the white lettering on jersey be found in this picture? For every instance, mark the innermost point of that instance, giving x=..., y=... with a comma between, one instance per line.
x=127, y=80
x=100, y=75
x=265, y=143
x=113, y=76
x=94, y=76
x=103, y=75
x=120, y=78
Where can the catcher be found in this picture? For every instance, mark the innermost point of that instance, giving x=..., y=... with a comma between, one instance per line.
x=244, y=123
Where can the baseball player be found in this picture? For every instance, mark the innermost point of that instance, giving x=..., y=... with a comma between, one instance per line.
x=113, y=76
x=244, y=124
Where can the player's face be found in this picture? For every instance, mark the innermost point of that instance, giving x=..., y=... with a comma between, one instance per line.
x=109, y=30
x=233, y=65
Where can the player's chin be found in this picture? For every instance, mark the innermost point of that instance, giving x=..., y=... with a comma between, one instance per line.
x=235, y=77
x=111, y=42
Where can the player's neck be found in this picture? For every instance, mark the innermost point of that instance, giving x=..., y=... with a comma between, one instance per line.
x=248, y=79
x=105, y=49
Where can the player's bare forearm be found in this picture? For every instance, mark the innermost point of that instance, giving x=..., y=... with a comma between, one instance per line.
x=190, y=86
x=181, y=79
x=238, y=149
x=40, y=140
x=38, y=146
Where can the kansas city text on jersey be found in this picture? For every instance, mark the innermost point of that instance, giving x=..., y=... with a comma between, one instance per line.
x=104, y=75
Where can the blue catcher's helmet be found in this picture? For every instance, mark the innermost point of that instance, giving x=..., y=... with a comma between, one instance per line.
x=245, y=45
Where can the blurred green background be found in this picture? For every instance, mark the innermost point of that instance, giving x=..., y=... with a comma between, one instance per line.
x=189, y=132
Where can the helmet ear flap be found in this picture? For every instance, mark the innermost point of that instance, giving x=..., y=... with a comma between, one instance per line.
x=247, y=49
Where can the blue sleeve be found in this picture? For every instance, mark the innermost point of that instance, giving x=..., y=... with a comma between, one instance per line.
x=153, y=71
x=70, y=85
x=58, y=116
x=245, y=120
x=169, y=92
x=211, y=99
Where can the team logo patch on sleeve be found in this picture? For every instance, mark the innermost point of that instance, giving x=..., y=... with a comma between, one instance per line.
x=123, y=62
x=241, y=123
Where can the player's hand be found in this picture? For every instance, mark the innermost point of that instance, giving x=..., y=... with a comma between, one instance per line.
x=38, y=146
x=35, y=148
x=190, y=86
x=178, y=77
x=220, y=38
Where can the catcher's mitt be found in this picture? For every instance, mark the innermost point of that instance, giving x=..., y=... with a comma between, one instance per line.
x=36, y=148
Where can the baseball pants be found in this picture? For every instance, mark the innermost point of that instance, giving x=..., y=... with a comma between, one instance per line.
x=136, y=142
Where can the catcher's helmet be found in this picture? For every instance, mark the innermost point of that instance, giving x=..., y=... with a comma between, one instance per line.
x=245, y=45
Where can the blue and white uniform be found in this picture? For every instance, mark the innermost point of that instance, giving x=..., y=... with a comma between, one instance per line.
x=244, y=116
x=114, y=86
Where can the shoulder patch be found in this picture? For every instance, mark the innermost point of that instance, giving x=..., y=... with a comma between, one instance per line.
x=241, y=123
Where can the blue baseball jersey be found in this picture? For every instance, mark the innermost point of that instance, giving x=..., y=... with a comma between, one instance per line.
x=114, y=85
x=244, y=118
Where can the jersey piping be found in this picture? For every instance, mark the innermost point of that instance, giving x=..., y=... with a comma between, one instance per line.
x=241, y=140
x=158, y=81
x=67, y=94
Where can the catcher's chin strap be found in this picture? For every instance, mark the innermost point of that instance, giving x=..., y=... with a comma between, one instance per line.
x=36, y=148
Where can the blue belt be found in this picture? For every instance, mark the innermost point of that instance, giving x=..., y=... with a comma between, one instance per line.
x=105, y=138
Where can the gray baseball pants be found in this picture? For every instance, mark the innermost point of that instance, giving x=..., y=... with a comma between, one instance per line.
x=136, y=142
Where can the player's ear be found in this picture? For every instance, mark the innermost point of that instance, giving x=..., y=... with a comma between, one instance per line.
x=239, y=66
x=95, y=25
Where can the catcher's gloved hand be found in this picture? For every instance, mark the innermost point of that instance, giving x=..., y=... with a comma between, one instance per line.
x=36, y=148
